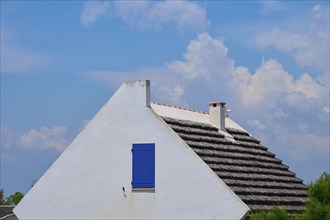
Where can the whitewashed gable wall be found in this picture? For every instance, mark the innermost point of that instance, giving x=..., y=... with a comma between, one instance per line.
x=86, y=181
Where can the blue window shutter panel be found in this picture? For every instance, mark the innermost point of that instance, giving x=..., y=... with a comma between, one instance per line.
x=143, y=166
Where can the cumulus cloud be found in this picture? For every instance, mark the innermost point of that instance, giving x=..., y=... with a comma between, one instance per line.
x=205, y=58
x=205, y=66
x=45, y=138
x=147, y=14
x=262, y=86
x=173, y=94
x=281, y=108
x=270, y=81
x=92, y=11
x=269, y=97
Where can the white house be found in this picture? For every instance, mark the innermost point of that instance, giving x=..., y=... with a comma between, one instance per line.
x=141, y=160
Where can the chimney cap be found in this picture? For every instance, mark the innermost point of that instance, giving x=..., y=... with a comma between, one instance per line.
x=217, y=103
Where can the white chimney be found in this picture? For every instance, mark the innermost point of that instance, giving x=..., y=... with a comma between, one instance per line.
x=217, y=114
x=140, y=90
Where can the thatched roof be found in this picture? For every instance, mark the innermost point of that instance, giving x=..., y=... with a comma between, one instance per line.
x=248, y=168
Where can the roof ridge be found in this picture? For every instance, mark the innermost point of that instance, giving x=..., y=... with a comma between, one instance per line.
x=178, y=107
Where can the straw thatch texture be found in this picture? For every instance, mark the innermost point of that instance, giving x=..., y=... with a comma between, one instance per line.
x=248, y=168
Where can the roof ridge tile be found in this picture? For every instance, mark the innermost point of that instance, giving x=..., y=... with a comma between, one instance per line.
x=178, y=107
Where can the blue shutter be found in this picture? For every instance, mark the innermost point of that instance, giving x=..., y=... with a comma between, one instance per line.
x=143, y=166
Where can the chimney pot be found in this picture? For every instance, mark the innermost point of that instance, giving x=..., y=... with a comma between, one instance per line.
x=217, y=114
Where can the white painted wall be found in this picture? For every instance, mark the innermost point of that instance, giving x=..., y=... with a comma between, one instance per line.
x=87, y=179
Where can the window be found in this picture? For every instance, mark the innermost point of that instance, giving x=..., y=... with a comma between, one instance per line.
x=143, y=166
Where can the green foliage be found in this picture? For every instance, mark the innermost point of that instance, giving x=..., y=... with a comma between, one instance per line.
x=12, y=199
x=2, y=200
x=274, y=214
x=15, y=198
x=320, y=189
x=317, y=208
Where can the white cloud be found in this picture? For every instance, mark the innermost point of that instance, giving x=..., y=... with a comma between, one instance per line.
x=309, y=87
x=282, y=40
x=309, y=45
x=317, y=11
x=205, y=58
x=292, y=110
x=174, y=94
x=270, y=82
x=256, y=123
x=149, y=15
x=270, y=100
x=263, y=86
x=326, y=109
x=92, y=11
x=206, y=67
x=183, y=14
x=272, y=89
x=133, y=13
x=46, y=138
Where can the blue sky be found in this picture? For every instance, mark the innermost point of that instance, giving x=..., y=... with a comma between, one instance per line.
x=62, y=60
